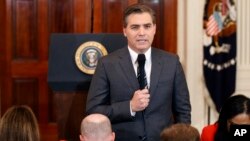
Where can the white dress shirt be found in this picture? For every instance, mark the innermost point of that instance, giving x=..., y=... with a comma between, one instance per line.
x=148, y=63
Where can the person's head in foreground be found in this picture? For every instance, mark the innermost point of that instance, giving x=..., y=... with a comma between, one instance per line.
x=180, y=132
x=96, y=127
x=19, y=124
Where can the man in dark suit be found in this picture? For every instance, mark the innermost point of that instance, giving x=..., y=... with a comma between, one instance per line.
x=139, y=113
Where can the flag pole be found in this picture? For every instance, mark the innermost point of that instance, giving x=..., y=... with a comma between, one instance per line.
x=208, y=115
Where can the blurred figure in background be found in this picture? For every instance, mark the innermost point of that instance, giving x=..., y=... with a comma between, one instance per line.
x=236, y=110
x=19, y=124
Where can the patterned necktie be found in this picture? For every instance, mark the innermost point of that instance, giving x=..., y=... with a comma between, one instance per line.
x=141, y=75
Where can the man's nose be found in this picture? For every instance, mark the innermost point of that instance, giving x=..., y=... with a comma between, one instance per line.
x=141, y=31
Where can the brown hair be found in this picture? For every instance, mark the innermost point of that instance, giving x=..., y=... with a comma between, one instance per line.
x=180, y=132
x=137, y=9
x=19, y=124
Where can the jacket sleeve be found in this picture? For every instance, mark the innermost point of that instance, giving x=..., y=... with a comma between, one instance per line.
x=98, y=99
x=181, y=101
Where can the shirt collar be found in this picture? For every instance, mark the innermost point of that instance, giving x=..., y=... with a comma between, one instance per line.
x=134, y=55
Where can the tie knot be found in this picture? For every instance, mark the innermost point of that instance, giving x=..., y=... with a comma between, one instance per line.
x=141, y=59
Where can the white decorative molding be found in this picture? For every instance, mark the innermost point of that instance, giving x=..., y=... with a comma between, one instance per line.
x=190, y=50
x=243, y=47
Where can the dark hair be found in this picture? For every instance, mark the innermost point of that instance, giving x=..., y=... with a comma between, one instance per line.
x=232, y=107
x=19, y=124
x=180, y=132
x=137, y=9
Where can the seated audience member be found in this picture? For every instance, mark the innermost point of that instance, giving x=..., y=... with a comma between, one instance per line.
x=96, y=127
x=19, y=124
x=236, y=110
x=180, y=132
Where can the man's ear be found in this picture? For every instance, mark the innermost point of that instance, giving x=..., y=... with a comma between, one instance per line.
x=81, y=138
x=113, y=136
x=124, y=32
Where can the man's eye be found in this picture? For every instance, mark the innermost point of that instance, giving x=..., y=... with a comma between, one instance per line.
x=134, y=27
x=147, y=26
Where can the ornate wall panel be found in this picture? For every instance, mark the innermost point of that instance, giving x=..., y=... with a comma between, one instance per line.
x=108, y=15
x=24, y=29
x=25, y=92
x=169, y=26
x=61, y=16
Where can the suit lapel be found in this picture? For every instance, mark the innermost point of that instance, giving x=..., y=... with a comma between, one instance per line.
x=127, y=68
x=155, y=70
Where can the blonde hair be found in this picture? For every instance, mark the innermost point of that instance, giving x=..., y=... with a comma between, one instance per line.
x=19, y=124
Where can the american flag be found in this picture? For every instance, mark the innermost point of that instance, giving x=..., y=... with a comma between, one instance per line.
x=224, y=7
x=220, y=84
x=214, y=25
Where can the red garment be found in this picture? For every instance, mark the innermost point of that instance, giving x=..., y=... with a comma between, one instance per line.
x=208, y=132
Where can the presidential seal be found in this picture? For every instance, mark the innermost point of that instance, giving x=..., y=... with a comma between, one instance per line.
x=87, y=55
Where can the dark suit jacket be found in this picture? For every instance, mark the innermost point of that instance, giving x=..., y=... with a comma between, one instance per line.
x=114, y=83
